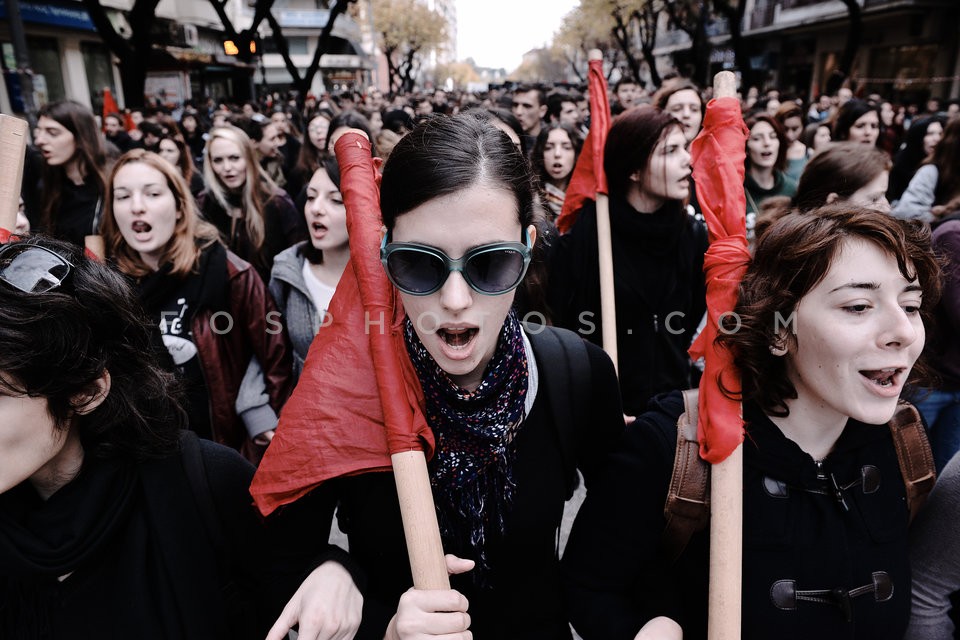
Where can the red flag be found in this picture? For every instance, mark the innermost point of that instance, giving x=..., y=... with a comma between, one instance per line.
x=358, y=399
x=588, y=178
x=718, y=169
x=109, y=106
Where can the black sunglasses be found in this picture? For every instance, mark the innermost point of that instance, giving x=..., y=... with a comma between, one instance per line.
x=490, y=269
x=32, y=269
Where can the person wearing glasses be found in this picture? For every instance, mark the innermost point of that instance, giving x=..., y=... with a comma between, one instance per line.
x=512, y=423
x=211, y=307
x=657, y=258
x=113, y=522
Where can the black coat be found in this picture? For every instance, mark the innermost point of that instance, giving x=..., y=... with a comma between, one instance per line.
x=525, y=599
x=659, y=289
x=795, y=528
x=150, y=549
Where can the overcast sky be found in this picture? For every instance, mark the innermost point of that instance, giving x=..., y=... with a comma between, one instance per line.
x=496, y=33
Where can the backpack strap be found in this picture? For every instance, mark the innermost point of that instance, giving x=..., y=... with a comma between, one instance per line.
x=564, y=367
x=687, y=508
x=914, y=455
x=196, y=472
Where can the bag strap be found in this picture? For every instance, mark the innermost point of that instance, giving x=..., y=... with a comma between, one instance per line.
x=914, y=455
x=687, y=508
x=564, y=368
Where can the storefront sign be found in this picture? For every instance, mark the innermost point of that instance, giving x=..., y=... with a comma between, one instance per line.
x=58, y=16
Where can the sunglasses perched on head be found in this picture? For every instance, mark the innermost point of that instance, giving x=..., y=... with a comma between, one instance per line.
x=490, y=269
x=32, y=269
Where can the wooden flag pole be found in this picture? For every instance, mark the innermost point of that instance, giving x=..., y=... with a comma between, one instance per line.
x=13, y=146
x=608, y=305
x=420, y=520
x=726, y=506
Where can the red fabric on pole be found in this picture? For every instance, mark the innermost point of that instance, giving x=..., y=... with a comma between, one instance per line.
x=109, y=106
x=718, y=169
x=588, y=177
x=358, y=399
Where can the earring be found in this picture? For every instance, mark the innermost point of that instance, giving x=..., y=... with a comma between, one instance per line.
x=778, y=350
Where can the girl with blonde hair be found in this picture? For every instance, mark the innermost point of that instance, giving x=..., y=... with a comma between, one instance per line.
x=256, y=219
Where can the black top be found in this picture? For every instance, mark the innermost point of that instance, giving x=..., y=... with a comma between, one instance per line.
x=798, y=535
x=78, y=211
x=283, y=227
x=150, y=550
x=524, y=599
x=658, y=286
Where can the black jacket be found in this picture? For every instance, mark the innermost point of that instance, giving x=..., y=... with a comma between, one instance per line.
x=796, y=528
x=659, y=289
x=525, y=599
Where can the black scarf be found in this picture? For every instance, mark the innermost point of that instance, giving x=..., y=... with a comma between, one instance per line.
x=472, y=471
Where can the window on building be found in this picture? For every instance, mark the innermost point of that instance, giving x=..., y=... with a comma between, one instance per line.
x=45, y=61
x=297, y=45
x=99, y=67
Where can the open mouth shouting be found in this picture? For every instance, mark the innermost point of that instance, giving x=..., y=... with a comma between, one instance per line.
x=887, y=382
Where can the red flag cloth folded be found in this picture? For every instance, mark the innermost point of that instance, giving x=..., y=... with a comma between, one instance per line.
x=358, y=399
x=718, y=169
x=109, y=106
x=588, y=177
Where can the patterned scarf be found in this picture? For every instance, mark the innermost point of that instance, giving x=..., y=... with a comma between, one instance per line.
x=472, y=471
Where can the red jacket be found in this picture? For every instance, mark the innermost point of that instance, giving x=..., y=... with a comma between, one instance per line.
x=226, y=340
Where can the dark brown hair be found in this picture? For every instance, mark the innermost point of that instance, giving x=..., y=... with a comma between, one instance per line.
x=946, y=157
x=631, y=141
x=756, y=119
x=842, y=168
x=89, y=154
x=790, y=259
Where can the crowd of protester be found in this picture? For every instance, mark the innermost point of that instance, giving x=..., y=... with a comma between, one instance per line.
x=225, y=227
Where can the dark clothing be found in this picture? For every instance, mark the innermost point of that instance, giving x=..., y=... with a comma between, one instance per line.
x=944, y=347
x=659, y=290
x=783, y=185
x=283, y=227
x=796, y=528
x=225, y=306
x=78, y=213
x=523, y=599
x=150, y=549
x=123, y=141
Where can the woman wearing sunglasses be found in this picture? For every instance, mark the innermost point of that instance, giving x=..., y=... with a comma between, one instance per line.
x=513, y=417
x=113, y=524
x=212, y=308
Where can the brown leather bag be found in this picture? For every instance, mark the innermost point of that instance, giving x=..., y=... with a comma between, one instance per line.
x=687, y=508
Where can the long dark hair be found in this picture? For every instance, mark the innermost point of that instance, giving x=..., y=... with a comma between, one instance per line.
x=57, y=345
x=89, y=155
x=850, y=112
x=328, y=164
x=946, y=157
x=536, y=158
x=631, y=141
x=911, y=156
